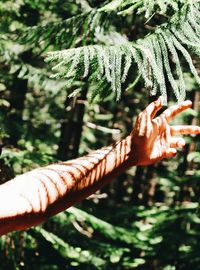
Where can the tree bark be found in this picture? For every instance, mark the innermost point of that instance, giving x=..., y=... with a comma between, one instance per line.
x=15, y=117
x=71, y=128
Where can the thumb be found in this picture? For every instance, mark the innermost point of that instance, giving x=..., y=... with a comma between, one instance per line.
x=170, y=152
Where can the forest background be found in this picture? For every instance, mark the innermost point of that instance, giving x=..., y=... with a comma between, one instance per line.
x=148, y=218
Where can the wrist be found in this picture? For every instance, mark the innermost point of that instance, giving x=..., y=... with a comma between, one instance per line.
x=130, y=157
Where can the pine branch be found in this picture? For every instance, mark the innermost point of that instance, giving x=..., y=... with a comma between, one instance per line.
x=63, y=33
x=155, y=55
x=67, y=251
x=106, y=229
x=148, y=7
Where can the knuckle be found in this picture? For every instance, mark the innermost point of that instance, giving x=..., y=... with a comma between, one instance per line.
x=140, y=115
x=156, y=104
x=180, y=108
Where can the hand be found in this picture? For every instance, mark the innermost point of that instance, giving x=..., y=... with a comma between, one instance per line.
x=152, y=138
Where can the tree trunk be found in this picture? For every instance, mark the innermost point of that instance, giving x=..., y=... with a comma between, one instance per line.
x=185, y=165
x=71, y=128
x=138, y=185
x=188, y=166
x=15, y=116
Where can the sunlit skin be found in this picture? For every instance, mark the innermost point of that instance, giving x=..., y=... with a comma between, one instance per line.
x=153, y=138
x=33, y=197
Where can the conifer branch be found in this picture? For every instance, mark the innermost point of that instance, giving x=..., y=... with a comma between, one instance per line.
x=148, y=7
x=65, y=33
x=155, y=55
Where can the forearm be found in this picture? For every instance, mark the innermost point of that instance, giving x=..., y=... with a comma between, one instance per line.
x=33, y=197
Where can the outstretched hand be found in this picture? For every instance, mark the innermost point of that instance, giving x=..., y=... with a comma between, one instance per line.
x=153, y=138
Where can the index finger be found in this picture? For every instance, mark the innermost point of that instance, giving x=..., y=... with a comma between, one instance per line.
x=154, y=107
x=171, y=112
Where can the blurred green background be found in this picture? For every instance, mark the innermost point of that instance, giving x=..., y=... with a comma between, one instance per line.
x=148, y=218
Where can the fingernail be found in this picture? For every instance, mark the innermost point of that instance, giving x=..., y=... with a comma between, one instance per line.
x=174, y=151
x=187, y=102
x=181, y=143
x=160, y=99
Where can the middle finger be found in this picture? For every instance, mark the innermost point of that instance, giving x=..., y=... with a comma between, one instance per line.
x=186, y=130
x=176, y=109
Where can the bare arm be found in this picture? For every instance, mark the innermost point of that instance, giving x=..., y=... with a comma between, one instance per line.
x=31, y=198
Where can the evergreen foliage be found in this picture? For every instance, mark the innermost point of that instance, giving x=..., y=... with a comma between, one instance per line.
x=154, y=54
x=149, y=217
x=149, y=7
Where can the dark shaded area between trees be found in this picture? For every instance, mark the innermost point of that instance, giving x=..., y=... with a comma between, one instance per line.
x=149, y=217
